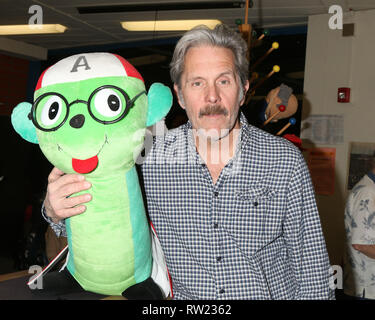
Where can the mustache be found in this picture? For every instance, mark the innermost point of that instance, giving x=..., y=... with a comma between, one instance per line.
x=210, y=110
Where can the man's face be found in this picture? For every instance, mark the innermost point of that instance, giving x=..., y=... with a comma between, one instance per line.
x=210, y=90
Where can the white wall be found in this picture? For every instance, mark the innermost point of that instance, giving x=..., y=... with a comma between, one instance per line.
x=334, y=61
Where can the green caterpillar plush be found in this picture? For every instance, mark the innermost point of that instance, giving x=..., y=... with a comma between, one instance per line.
x=89, y=116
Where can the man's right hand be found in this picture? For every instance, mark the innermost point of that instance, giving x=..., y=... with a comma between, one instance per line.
x=58, y=203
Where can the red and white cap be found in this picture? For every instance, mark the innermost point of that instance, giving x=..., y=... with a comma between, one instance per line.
x=85, y=66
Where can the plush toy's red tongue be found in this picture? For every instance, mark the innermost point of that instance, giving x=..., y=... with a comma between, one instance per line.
x=85, y=166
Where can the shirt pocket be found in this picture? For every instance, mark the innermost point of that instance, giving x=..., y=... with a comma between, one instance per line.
x=255, y=194
x=256, y=199
x=251, y=217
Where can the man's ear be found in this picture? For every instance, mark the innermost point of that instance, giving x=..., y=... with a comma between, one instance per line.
x=245, y=88
x=22, y=123
x=159, y=103
x=178, y=93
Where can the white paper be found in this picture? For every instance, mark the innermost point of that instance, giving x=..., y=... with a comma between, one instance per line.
x=323, y=129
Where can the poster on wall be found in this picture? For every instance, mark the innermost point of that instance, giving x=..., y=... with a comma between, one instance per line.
x=321, y=163
x=360, y=161
x=323, y=129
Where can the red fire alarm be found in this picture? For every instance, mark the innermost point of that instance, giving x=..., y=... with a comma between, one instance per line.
x=343, y=95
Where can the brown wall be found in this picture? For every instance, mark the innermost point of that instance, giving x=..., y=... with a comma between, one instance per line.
x=13, y=82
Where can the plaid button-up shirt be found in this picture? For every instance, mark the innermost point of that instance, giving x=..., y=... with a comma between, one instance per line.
x=254, y=234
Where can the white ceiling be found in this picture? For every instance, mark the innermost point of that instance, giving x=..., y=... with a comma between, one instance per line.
x=105, y=28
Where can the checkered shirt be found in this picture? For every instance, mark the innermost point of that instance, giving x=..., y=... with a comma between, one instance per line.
x=254, y=234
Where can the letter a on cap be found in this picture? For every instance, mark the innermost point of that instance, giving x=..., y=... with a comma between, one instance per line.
x=76, y=68
x=77, y=64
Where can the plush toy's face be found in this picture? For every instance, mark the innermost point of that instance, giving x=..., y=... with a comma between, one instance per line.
x=90, y=112
x=93, y=126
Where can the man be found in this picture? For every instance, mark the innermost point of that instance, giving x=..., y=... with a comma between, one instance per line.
x=233, y=206
x=359, y=270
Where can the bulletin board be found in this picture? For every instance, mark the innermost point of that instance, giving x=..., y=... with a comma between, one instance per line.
x=321, y=163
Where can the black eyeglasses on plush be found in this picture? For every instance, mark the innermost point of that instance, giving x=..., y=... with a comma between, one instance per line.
x=107, y=104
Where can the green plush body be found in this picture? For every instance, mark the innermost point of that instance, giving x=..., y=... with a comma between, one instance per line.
x=109, y=244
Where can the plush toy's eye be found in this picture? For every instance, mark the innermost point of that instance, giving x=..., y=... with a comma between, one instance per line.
x=108, y=102
x=51, y=111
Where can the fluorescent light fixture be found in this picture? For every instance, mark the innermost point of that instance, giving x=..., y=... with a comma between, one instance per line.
x=31, y=29
x=167, y=25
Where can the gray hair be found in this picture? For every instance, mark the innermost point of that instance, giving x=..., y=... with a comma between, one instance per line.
x=221, y=36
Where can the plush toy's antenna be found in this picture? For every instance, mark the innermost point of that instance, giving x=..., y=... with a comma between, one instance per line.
x=159, y=102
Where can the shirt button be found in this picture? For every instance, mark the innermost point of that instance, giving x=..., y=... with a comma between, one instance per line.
x=216, y=226
x=221, y=291
x=218, y=259
x=216, y=193
x=255, y=204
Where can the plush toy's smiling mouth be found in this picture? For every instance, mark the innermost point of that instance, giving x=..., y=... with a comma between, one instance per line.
x=86, y=165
